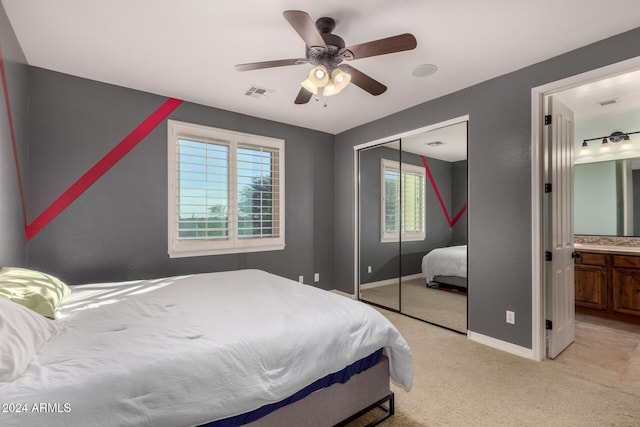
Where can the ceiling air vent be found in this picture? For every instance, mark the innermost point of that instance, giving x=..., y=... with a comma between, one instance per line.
x=258, y=92
x=434, y=143
x=608, y=102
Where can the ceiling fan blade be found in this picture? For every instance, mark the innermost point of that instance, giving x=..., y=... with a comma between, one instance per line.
x=303, y=96
x=270, y=64
x=305, y=27
x=392, y=44
x=363, y=81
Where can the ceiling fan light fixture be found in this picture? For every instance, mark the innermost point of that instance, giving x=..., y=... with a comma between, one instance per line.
x=319, y=76
x=331, y=89
x=339, y=80
x=308, y=85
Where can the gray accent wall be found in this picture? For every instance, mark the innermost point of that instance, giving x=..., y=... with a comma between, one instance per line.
x=458, y=200
x=13, y=247
x=499, y=156
x=117, y=229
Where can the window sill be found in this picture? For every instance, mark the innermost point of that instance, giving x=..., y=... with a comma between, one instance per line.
x=225, y=251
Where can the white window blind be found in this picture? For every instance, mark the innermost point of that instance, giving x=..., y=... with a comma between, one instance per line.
x=226, y=191
x=403, y=201
x=203, y=189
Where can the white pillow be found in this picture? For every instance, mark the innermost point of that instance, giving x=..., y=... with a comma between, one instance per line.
x=22, y=333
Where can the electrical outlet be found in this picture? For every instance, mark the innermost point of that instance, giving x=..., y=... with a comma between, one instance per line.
x=368, y=269
x=316, y=277
x=511, y=317
x=301, y=279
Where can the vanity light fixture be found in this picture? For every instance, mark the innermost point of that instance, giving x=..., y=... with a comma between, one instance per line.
x=605, y=146
x=584, y=150
x=626, y=143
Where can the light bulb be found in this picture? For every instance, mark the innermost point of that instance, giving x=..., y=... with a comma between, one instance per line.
x=627, y=144
x=584, y=150
x=604, y=147
x=319, y=76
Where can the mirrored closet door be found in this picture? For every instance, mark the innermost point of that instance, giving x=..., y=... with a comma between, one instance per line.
x=379, y=235
x=413, y=226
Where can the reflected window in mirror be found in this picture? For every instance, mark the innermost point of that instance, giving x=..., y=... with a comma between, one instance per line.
x=402, y=202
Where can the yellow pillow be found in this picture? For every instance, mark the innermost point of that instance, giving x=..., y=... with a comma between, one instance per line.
x=35, y=290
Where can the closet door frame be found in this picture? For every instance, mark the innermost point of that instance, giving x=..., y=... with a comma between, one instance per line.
x=356, y=186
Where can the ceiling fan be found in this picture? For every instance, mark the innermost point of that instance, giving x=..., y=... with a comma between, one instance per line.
x=328, y=54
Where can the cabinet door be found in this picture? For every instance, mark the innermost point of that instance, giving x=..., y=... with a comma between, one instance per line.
x=590, y=289
x=626, y=291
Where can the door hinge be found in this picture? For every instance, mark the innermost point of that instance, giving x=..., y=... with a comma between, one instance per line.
x=547, y=187
x=547, y=119
x=548, y=256
x=548, y=324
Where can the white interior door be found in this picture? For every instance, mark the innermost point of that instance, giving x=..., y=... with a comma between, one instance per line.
x=560, y=286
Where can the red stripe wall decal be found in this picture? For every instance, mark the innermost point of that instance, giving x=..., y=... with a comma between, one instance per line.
x=102, y=166
x=5, y=89
x=455, y=219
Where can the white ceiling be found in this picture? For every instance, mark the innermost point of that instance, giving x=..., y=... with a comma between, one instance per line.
x=187, y=49
x=447, y=143
x=585, y=100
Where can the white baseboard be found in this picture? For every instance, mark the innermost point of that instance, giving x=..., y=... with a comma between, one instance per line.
x=527, y=353
x=414, y=276
x=389, y=281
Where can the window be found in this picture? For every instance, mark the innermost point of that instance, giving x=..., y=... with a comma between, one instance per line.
x=403, y=203
x=226, y=191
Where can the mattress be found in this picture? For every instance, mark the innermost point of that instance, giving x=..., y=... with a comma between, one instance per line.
x=188, y=350
x=447, y=261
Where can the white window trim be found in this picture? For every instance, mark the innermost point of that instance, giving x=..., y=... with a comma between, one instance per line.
x=400, y=236
x=187, y=248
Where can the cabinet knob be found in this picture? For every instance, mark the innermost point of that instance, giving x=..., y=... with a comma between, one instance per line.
x=576, y=255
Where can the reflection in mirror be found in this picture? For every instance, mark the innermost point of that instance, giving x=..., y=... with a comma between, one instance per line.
x=413, y=226
x=379, y=245
x=607, y=198
x=434, y=270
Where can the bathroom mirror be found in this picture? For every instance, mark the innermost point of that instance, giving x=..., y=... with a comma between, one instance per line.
x=607, y=198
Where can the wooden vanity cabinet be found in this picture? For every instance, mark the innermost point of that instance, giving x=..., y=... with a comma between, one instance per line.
x=608, y=285
x=626, y=284
x=591, y=280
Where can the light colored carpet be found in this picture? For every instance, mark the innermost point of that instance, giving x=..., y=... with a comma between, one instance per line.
x=433, y=305
x=458, y=382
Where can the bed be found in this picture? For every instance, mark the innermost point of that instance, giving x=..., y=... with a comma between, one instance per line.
x=217, y=349
x=446, y=266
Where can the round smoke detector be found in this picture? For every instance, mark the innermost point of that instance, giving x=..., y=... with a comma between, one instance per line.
x=424, y=70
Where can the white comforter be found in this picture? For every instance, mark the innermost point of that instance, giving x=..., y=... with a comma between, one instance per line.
x=186, y=350
x=449, y=261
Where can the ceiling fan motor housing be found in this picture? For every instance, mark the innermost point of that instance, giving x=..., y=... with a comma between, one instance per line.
x=328, y=57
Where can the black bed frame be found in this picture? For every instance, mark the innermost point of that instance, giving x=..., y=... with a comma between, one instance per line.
x=388, y=410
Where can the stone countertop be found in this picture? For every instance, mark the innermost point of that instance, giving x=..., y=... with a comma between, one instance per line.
x=607, y=248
